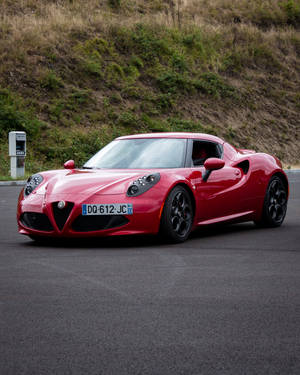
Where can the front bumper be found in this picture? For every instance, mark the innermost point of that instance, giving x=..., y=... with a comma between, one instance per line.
x=37, y=215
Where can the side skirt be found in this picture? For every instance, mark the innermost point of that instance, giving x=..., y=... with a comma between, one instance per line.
x=242, y=216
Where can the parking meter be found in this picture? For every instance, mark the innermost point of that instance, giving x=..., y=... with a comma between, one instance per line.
x=17, y=153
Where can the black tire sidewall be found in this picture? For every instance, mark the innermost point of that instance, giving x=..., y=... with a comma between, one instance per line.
x=166, y=228
x=267, y=220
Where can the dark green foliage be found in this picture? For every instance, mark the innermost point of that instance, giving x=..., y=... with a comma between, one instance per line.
x=128, y=119
x=114, y=74
x=164, y=102
x=85, y=145
x=213, y=84
x=172, y=82
x=178, y=62
x=94, y=47
x=153, y=124
x=115, y=4
x=142, y=41
x=79, y=146
x=56, y=110
x=137, y=62
x=133, y=92
x=91, y=55
x=51, y=81
x=252, y=55
x=147, y=44
x=80, y=97
x=13, y=115
x=292, y=9
x=146, y=77
x=173, y=124
x=92, y=67
x=70, y=104
x=208, y=83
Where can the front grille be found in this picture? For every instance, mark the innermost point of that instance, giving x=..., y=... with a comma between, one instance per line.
x=36, y=221
x=93, y=223
x=61, y=214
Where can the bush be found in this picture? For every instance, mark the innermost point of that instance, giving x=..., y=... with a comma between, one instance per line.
x=144, y=43
x=172, y=82
x=164, y=102
x=292, y=10
x=128, y=119
x=50, y=81
x=212, y=84
x=13, y=117
x=115, y=4
x=182, y=125
x=114, y=74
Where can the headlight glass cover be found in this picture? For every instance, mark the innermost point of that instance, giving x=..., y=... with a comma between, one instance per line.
x=32, y=182
x=143, y=184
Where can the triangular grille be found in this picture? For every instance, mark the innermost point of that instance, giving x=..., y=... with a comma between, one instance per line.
x=61, y=214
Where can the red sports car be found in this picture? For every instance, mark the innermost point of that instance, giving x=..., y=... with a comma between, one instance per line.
x=168, y=183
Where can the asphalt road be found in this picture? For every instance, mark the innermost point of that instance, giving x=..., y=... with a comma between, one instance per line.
x=225, y=302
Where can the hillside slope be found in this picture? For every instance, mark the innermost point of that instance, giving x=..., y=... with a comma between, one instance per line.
x=74, y=74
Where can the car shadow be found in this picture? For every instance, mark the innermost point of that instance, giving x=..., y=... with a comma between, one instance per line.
x=138, y=241
x=222, y=229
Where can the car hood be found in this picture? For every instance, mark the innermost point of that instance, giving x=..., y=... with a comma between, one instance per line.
x=82, y=182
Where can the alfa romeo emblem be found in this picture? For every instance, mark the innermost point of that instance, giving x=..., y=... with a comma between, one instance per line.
x=61, y=205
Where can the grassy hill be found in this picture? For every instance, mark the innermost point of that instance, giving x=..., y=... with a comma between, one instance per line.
x=74, y=74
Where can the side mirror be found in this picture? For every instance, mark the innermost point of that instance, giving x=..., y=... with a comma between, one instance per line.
x=212, y=164
x=70, y=164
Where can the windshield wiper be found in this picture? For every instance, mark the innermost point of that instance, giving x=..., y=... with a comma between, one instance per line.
x=87, y=167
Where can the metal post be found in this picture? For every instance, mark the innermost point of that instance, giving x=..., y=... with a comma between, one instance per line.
x=17, y=153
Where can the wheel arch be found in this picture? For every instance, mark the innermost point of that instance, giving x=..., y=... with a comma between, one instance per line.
x=284, y=179
x=190, y=192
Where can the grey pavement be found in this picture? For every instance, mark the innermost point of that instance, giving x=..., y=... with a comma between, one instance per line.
x=225, y=302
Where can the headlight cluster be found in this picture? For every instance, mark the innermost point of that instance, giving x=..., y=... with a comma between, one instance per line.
x=143, y=184
x=32, y=182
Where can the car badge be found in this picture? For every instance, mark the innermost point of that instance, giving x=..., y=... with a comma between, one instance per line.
x=61, y=205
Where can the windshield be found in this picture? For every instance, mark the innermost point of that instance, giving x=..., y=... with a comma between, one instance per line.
x=141, y=153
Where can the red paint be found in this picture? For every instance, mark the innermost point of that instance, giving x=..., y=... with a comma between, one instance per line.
x=213, y=164
x=228, y=194
x=70, y=164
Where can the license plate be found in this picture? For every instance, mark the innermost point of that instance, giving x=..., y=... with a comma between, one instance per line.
x=107, y=209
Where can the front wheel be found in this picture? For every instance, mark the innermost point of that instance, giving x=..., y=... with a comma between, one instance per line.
x=177, y=216
x=275, y=204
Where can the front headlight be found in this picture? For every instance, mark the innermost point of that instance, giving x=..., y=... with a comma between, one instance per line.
x=32, y=182
x=143, y=184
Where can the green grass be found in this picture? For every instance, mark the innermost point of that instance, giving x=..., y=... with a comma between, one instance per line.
x=82, y=86
x=9, y=178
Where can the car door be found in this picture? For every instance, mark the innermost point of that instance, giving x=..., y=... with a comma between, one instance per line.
x=221, y=194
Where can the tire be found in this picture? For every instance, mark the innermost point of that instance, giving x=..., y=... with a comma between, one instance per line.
x=275, y=204
x=177, y=217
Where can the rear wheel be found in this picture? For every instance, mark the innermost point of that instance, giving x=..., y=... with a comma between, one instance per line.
x=177, y=216
x=275, y=204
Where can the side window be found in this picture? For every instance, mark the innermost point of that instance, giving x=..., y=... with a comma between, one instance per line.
x=203, y=150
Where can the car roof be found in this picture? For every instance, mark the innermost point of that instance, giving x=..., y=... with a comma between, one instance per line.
x=200, y=136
